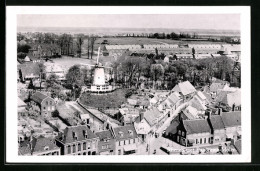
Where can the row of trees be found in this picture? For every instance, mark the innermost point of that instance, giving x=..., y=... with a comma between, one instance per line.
x=132, y=71
x=65, y=44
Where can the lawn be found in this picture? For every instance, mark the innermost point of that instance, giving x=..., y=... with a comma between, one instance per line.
x=109, y=100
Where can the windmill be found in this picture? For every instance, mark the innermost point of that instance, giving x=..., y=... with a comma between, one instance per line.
x=99, y=82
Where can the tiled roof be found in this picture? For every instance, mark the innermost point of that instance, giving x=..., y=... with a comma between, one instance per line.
x=216, y=86
x=38, y=97
x=196, y=103
x=196, y=126
x=234, y=98
x=37, y=145
x=221, y=96
x=79, y=132
x=174, y=97
x=124, y=130
x=184, y=87
x=104, y=135
x=231, y=119
x=151, y=114
x=238, y=146
x=217, y=122
x=20, y=102
x=28, y=69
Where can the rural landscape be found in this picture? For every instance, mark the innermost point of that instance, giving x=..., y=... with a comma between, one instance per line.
x=128, y=91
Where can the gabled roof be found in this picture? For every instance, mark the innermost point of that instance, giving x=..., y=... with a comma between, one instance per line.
x=190, y=112
x=124, y=131
x=37, y=145
x=196, y=126
x=174, y=97
x=20, y=102
x=217, y=122
x=28, y=69
x=196, y=103
x=201, y=95
x=185, y=88
x=38, y=97
x=151, y=114
x=233, y=98
x=216, y=86
x=231, y=119
x=79, y=131
x=104, y=135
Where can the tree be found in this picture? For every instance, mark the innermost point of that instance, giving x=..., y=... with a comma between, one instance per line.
x=74, y=76
x=92, y=42
x=41, y=68
x=157, y=71
x=23, y=48
x=79, y=43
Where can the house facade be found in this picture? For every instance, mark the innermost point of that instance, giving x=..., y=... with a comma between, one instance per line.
x=45, y=103
x=194, y=132
x=106, y=143
x=126, y=140
x=78, y=140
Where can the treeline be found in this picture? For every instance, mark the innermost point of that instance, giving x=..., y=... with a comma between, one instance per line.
x=133, y=71
x=53, y=44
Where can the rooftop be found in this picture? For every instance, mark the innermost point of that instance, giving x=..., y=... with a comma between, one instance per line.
x=185, y=88
x=196, y=126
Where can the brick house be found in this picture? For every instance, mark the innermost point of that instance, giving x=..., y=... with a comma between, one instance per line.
x=45, y=103
x=40, y=146
x=194, y=132
x=126, y=140
x=78, y=140
x=106, y=143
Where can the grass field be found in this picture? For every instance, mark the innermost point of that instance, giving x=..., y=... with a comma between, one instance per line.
x=111, y=100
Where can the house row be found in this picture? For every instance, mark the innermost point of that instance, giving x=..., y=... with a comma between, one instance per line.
x=205, y=46
x=212, y=130
x=80, y=140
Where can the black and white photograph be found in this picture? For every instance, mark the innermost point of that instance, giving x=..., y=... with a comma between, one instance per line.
x=133, y=83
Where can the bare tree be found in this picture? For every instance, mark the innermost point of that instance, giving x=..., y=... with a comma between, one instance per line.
x=79, y=42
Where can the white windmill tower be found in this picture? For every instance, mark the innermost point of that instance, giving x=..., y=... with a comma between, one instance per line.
x=99, y=73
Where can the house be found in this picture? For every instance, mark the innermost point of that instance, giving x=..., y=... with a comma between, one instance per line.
x=171, y=131
x=29, y=71
x=126, y=140
x=21, y=105
x=218, y=128
x=191, y=113
x=153, y=116
x=142, y=127
x=106, y=143
x=232, y=123
x=198, y=104
x=229, y=101
x=194, y=132
x=128, y=115
x=40, y=146
x=215, y=88
x=45, y=103
x=78, y=140
x=185, y=89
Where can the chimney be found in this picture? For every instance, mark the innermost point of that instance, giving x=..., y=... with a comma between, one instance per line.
x=208, y=113
x=220, y=111
x=141, y=116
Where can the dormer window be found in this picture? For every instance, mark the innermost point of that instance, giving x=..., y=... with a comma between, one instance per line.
x=85, y=134
x=74, y=135
x=46, y=148
x=121, y=134
x=130, y=132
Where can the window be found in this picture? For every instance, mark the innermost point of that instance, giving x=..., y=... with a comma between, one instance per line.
x=197, y=142
x=119, y=143
x=124, y=142
x=88, y=145
x=50, y=102
x=205, y=140
x=134, y=140
x=74, y=148
x=179, y=132
x=119, y=152
x=69, y=149
x=84, y=146
x=183, y=134
x=46, y=102
x=79, y=147
x=201, y=141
